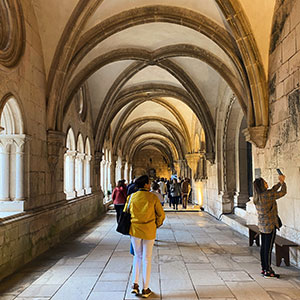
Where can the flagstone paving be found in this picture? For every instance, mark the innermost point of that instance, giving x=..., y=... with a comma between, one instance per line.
x=195, y=256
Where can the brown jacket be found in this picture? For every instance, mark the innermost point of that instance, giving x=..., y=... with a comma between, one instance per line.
x=266, y=207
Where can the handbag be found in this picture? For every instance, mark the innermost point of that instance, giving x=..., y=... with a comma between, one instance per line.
x=124, y=221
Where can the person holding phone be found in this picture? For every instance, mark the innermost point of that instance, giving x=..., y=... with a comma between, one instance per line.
x=268, y=220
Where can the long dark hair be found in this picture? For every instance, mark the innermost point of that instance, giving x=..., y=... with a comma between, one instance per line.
x=259, y=187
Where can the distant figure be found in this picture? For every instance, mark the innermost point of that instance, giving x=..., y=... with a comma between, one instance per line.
x=175, y=193
x=119, y=197
x=268, y=220
x=185, y=190
x=132, y=188
x=162, y=186
x=154, y=190
x=147, y=215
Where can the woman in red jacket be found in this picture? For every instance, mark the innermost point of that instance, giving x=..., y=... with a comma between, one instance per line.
x=119, y=197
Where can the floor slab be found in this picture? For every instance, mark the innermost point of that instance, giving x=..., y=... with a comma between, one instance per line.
x=195, y=257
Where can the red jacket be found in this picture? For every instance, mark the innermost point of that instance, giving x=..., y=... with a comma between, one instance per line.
x=119, y=195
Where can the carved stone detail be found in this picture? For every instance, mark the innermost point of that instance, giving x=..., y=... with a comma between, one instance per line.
x=257, y=135
x=193, y=160
x=12, y=32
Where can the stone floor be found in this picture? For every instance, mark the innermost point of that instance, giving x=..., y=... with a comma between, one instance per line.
x=195, y=257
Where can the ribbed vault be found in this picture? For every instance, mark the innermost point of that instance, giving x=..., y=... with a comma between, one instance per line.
x=183, y=60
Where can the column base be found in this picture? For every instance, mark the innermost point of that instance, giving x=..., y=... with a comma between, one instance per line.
x=80, y=193
x=70, y=195
x=88, y=190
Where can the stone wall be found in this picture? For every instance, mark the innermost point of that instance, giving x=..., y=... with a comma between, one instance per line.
x=142, y=163
x=48, y=218
x=28, y=235
x=282, y=149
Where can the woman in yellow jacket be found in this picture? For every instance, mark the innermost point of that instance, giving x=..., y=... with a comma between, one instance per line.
x=147, y=214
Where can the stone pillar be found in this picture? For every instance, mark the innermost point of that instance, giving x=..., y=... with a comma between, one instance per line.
x=19, y=168
x=87, y=174
x=97, y=161
x=129, y=176
x=123, y=169
x=193, y=160
x=113, y=172
x=5, y=169
x=79, y=174
x=70, y=174
x=55, y=147
x=177, y=167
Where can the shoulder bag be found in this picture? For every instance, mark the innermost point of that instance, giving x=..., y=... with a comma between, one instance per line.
x=124, y=221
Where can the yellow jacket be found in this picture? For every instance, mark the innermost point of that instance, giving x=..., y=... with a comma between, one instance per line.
x=147, y=214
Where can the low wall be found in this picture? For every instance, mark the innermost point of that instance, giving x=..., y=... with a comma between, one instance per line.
x=25, y=236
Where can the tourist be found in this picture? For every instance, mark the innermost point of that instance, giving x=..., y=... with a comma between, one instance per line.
x=147, y=215
x=268, y=220
x=119, y=197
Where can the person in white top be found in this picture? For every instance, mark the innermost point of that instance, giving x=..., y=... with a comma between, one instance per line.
x=162, y=186
x=154, y=190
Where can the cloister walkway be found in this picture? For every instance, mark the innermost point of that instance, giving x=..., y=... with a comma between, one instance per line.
x=195, y=257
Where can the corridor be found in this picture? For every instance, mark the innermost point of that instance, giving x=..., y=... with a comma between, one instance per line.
x=195, y=257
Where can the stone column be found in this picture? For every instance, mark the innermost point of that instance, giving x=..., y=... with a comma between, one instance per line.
x=79, y=174
x=123, y=169
x=70, y=172
x=87, y=174
x=129, y=176
x=19, y=168
x=5, y=169
x=113, y=172
x=193, y=160
x=177, y=168
x=97, y=161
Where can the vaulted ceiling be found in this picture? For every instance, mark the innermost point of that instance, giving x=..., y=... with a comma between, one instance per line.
x=153, y=68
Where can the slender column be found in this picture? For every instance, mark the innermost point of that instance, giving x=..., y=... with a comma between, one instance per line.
x=4, y=170
x=70, y=174
x=87, y=174
x=79, y=174
x=19, y=168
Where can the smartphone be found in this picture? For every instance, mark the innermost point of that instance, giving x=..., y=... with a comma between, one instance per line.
x=279, y=172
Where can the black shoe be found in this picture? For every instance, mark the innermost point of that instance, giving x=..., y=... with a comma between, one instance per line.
x=135, y=289
x=146, y=293
x=271, y=274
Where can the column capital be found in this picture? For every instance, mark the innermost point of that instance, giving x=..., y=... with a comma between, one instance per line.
x=193, y=159
x=257, y=135
x=55, y=143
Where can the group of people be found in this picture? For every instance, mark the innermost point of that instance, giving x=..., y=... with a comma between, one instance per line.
x=147, y=214
x=174, y=191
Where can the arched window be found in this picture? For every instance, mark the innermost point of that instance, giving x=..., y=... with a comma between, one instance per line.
x=87, y=168
x=79, y=162
x=12, y=148
x=69, y=165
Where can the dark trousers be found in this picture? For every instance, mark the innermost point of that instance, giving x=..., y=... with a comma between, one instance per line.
x=184, y=200
x=119, y=208
x=267, y=242
x=175, y=201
